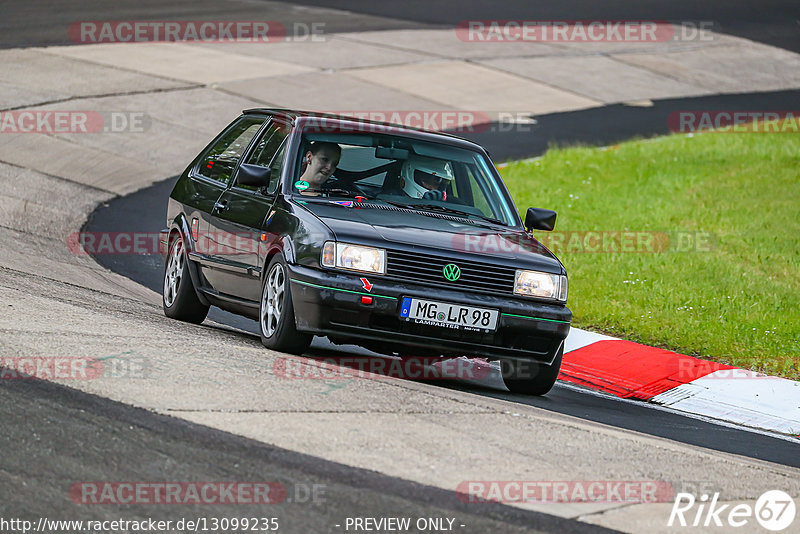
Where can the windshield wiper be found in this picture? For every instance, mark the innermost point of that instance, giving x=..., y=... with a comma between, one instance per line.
x=445, y=209
x=337, y=192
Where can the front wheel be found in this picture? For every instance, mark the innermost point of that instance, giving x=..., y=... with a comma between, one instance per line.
x=531, y=378
x=179, y=298
x=276, y=311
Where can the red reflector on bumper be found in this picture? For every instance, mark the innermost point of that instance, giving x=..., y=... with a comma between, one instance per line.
x=366, y=300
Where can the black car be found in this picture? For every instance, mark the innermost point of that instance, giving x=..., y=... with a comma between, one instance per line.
x=397, y=239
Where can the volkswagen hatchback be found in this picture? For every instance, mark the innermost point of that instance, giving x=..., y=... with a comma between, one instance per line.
x=400, y=240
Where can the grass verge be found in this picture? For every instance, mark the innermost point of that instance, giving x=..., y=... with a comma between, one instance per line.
x=687, y=242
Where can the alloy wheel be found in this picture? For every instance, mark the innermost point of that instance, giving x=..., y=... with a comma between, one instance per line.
x=272, y=300
x=174, y=273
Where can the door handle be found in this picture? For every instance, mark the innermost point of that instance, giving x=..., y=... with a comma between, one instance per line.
x=221, y=206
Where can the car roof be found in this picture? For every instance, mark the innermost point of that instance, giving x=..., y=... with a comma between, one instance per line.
x=359, y=125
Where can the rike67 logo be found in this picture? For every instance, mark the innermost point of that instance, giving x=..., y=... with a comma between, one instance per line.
x=774, y=510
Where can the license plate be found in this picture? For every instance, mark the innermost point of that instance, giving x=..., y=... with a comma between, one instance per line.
x=447, y=315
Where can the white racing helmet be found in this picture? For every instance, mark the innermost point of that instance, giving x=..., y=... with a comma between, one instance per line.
x=422, y=174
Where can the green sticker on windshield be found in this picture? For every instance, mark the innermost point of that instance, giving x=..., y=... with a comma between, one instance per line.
x=301, y=185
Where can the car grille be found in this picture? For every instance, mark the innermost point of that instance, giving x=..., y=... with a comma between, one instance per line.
x=428, y=269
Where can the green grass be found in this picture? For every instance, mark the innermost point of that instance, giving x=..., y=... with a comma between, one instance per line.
x=733, y=299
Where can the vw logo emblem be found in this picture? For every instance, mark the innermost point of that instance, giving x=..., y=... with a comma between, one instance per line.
x=451, y=272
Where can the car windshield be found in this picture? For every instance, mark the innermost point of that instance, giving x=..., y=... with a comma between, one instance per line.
x=403, y=172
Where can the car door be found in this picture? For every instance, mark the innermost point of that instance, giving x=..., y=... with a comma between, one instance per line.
x=240, y=213
x=215, y=170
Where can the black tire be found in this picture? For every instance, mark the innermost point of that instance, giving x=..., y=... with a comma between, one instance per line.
x=276, y=321
x=178, y=296
x=531, y=378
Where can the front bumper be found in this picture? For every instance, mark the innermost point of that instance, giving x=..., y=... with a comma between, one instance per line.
x=329, y=303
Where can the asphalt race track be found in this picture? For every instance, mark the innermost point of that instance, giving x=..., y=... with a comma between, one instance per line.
x=144, y=210
x=94, y=435
x=773, y=22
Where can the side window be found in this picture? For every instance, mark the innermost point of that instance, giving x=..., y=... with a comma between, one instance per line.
x=221, y=159
x=276, y=166
x=264, y=153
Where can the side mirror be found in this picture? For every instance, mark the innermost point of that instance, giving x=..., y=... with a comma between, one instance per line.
x=253, y=175
x=540, y=219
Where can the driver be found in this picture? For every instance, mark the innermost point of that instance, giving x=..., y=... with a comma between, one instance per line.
x=319, y=163
x=427, y=178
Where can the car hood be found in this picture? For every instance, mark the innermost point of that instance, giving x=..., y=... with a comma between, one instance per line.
x=413, y=231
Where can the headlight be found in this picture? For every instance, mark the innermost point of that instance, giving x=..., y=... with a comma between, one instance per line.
x=541, y=285
x=354, y=257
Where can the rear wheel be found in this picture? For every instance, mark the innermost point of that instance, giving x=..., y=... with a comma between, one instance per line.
x=276, y=311
x=531, y=378
x=179, y=297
